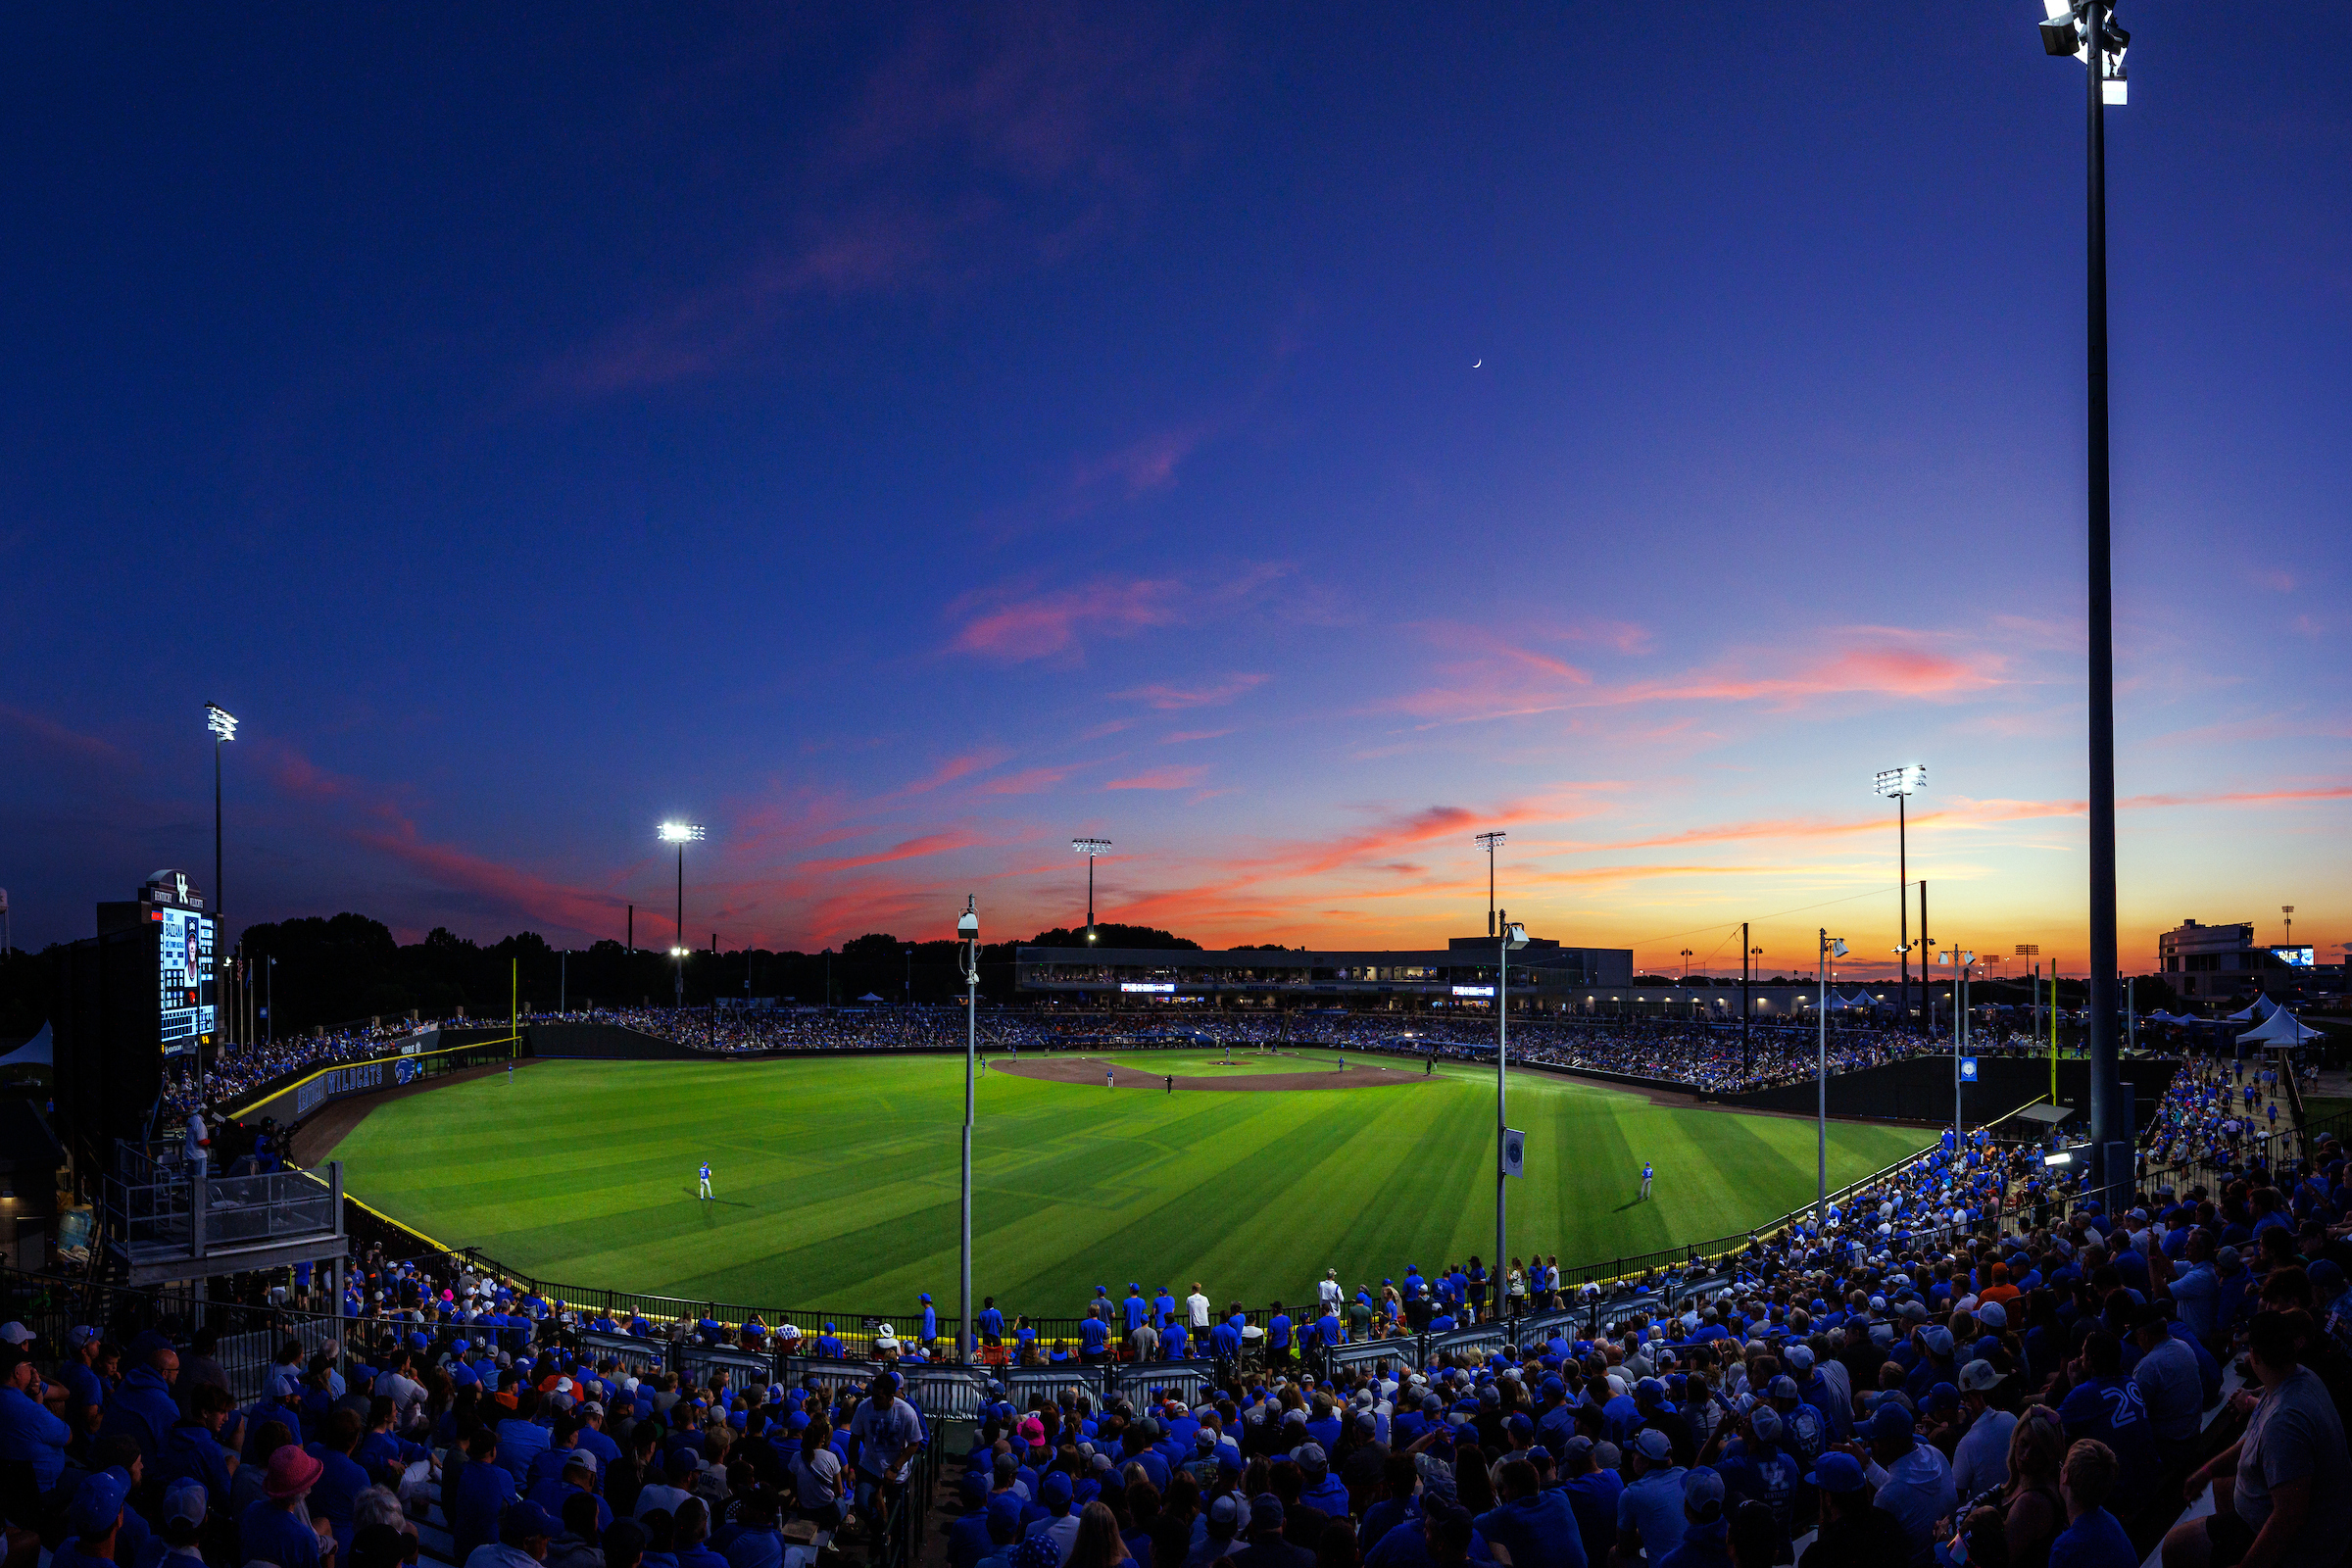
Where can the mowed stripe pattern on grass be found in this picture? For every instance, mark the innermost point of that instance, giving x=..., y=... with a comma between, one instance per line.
x=837, y=1180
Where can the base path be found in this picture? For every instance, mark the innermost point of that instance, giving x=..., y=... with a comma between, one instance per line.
x=1129, y=1073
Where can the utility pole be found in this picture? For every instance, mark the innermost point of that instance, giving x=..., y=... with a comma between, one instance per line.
x=1488, y=841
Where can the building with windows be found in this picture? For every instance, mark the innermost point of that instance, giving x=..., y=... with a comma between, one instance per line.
x=2222, y=962
x=1545, y=977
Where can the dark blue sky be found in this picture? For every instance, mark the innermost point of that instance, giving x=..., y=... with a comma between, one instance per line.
x=902, y=443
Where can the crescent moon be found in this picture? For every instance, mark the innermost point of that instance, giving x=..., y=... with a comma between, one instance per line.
x=1475, y=363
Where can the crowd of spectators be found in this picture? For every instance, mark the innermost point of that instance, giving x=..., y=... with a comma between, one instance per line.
x=1967, y=1362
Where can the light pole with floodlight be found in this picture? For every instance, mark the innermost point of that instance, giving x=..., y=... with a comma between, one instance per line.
x=1510, y=939
x=2086, y=31
x=224, y=726
x=967, y=935
x=681, y=834
x=1089, y=847
x=1831, y=948
x=1899, y=784
x=1488, y=842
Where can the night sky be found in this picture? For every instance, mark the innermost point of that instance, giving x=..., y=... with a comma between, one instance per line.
x=1284, y=441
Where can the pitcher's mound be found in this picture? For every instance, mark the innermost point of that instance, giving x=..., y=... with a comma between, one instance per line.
x=1134, y=1072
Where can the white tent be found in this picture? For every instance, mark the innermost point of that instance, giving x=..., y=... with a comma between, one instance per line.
x=2256, y=1012
x=38, y=1052
x=1862, y=998
x=2281, y=1028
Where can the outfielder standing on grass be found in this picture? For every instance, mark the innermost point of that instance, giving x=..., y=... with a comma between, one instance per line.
x=1645, y=1173
x=705, y=1175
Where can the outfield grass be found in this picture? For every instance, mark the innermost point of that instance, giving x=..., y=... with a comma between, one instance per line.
x=837, y=1180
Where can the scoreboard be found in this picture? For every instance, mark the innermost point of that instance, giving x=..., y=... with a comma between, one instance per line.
x=187, y=1010
x=185, y=979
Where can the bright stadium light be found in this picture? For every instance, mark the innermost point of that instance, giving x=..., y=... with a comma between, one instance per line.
x=682, y=834
x=2087, y=29
x=1899, y=784
x=224, y=726
x=1089, y=847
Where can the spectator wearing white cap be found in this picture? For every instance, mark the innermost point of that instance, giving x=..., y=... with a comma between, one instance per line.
x=1981, y=1458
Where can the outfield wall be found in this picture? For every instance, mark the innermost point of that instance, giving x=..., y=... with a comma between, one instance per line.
x=1919, y=1089
x=290, y=1098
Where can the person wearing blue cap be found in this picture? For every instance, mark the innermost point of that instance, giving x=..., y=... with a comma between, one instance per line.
x=1649, y=1515
x=1056, y=1496
x=930, y=1320
x=94, y=1517
x=1704, y=1542
x=1918, y=1488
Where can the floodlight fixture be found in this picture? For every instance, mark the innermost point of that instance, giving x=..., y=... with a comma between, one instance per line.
x=681, y=832
x=1838, y=947
x=1514, y=936
x=677, y=952
x=967, y=924
x=1089, y=847
x=1906, y=780
x=220, y=721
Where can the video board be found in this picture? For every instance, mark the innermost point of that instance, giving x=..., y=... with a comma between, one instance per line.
x=185, y=978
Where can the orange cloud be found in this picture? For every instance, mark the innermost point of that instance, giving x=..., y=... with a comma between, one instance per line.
x=905, y=849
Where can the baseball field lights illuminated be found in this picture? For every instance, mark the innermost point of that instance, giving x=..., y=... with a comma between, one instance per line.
x=1910, y=780
x=220, y=721
x=681, y=832
x=1089, y=847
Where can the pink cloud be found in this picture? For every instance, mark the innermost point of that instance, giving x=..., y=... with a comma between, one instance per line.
x=927, y=844
x=1041, y=625
x=1184, y=735
x=1163, y=779
x=953, y=768
x=1217, y=693
x=1029, y=781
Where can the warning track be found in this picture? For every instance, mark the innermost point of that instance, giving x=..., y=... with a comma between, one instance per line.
x=1132, y=1072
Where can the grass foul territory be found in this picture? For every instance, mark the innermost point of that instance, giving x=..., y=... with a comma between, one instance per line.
x=835, y=1182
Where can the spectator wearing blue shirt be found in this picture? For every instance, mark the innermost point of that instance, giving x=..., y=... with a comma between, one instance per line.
x=30, y=1434
x=94, y=1519
x=1135, y=1308
x=1591, y=1492
x=989, y=1324
x=2107, y=1406
x=2093, y=1537
x=520, y=1438
x=1705, y=1531
x=268, y=1531
x=577, y=1475
x=1538, y=1527
x=1094, y=1334
x=142, y=1407
x=1278, y=1334
x=202, y=1446
x=1649, y=1515
x=481, y=1492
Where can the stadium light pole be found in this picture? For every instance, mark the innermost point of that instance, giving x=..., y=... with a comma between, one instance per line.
x=1089, y=847
x=224, y=726
x=967, y=933
x=1487, y=842
x=1831, y=947
x=1900, y=784
x=1511, y=938
x=2086, y=31
x=681, y=834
